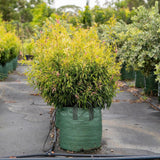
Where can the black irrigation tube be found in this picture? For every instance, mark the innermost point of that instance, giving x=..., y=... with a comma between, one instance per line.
x=51, y=154
x=91, y=156
x=55, y=134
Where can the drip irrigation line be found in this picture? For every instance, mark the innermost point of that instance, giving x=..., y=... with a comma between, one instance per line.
x=92, y=156
x=51, y=152
x=55, y=135
x=44, y=144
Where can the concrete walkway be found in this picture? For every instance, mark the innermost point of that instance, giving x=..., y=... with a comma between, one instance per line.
x=24, y=117
x=129, y=126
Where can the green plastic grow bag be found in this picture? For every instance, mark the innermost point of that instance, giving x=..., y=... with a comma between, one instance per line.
x=127, y=73
x=58, y=117
x=5, y=69
x=139, y=79
x=151, y=86
x=1, y=72
x=158, y=92
x=10, y=66
x=80, y=129
x=14, y=63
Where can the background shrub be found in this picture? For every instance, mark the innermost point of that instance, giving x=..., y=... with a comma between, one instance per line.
x=9, y=45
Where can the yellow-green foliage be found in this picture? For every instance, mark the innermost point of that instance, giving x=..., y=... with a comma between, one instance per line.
x=28, y=47
x=140, y=47
x=0, y=18
x=157, y=72
x=40, y=14
x=72, y=67
x=9, y=45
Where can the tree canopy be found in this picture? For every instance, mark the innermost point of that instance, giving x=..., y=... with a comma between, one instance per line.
x=19, y=9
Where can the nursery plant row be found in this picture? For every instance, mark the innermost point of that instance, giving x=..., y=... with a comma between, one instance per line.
x=137, y=47
x=76, y=69
x=148, y=83
x=7, y=68
x=9, y=50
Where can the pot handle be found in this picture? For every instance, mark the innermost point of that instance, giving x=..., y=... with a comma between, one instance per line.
x=75, y=112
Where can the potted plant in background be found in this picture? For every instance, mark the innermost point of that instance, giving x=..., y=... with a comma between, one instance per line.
x=9, y=50
x=141, y=48
x=115, y=33
x=157, y=72
x=76, y=73
x=28, y=48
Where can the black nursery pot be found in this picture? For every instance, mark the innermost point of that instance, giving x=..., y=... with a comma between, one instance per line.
x=29, y=57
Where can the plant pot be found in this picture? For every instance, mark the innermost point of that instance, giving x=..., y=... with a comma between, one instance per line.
x=159, y=92
x=5, y=70
x=14, y=63
x=10, y=66
x=1, y=72
x=29, y=57
x=151, y=86
x=80, y=129
x=139, y=79
x=127, y=74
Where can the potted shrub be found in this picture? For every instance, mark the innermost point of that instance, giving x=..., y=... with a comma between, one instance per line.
x=9, y=49
x=15, y=63
x=141, y=48
x=28, y=48
x=115, y=33
x=77, y=74
x=157, y=72
x=4, y=54
x=127, y=72
x=139, y=79
x=1, y=72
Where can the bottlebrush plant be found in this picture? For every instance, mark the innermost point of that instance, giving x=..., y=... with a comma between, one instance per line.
x=73, y=67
